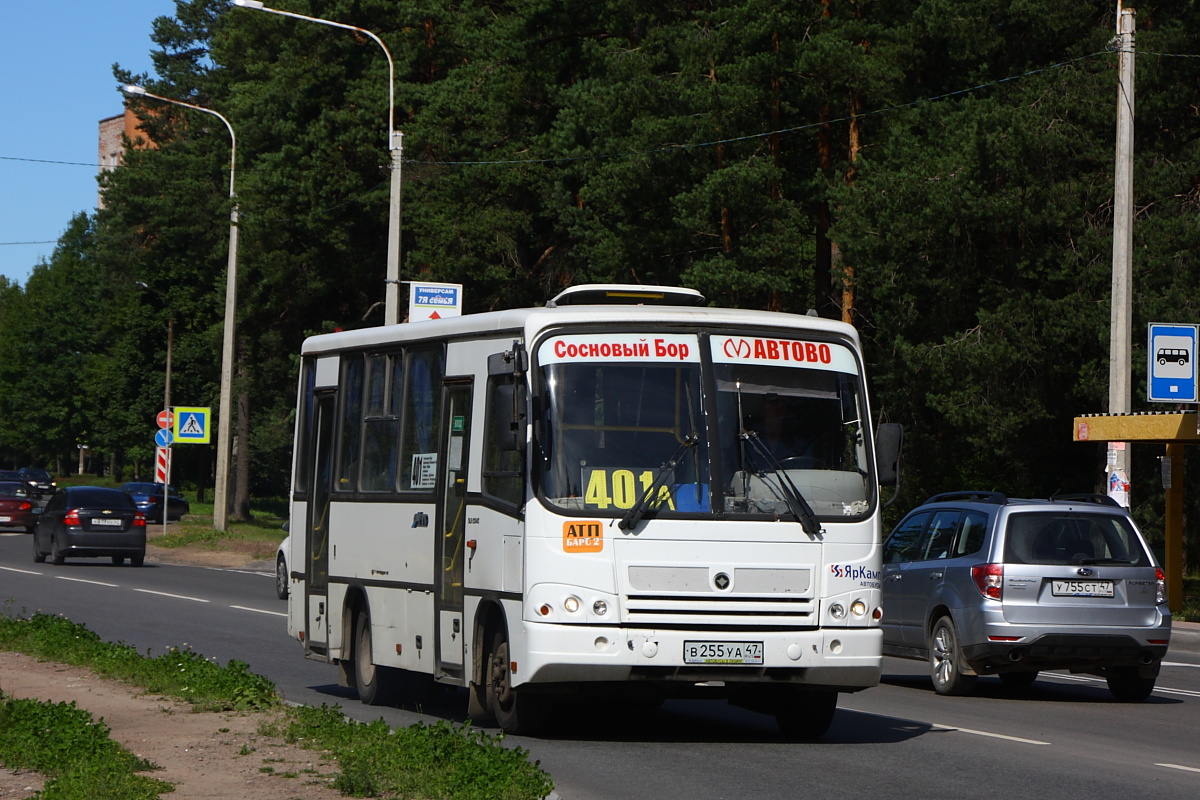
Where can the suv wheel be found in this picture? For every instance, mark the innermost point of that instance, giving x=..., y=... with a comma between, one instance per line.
x=945, y=661
x=1127, y=686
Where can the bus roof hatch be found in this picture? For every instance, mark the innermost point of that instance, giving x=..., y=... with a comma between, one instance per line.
x=606, y=294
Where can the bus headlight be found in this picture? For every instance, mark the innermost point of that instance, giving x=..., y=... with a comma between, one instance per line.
x=858, y=608
x=599, y=608
x=571, y=604
x=837, y=611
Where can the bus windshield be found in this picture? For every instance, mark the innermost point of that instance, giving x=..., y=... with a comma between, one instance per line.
x=620, y=409
x=613, y=422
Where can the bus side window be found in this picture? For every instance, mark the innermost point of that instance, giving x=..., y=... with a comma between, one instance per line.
x=502, y=464
x=381, y=426
x=350, y=455
x=422, y=404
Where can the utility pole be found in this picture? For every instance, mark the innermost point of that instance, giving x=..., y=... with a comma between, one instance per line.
x=1120, y=331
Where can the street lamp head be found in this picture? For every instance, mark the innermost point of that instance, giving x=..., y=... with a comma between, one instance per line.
x=248, y=3
x=132, y=90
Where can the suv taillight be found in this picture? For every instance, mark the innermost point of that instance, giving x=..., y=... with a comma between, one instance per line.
x=72, y=517
x=989, y=579
x=1160, y=589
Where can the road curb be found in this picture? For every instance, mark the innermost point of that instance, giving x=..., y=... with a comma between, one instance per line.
x=1185, y=636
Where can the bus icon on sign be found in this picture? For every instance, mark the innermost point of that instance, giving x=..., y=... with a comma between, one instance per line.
x=1171, y=361
x=1165, y=354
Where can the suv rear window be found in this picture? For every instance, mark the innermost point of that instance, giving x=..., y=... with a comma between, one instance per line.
x=1068, y=538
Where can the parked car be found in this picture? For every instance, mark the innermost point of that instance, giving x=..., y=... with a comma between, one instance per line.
x=980, y=584
x=282, y=577
x=90, y=521
x=149, y=499
x=16, y=509
x=38, y=482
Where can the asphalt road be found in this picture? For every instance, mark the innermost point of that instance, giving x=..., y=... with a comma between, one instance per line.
x=1063, y=738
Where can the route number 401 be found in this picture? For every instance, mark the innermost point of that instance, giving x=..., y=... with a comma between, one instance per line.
x=622, y=488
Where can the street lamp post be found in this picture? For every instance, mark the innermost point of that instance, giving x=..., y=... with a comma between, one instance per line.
x=391, y=314
x=224, y=424
x=166, y=393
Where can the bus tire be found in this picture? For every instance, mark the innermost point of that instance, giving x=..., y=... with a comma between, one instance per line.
x=516, y=711
x=806, y=714
x=376, y=685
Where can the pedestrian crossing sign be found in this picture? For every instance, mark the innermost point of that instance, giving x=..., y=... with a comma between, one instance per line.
x=192, y=425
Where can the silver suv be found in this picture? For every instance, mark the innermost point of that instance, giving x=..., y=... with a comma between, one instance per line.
x=981, y=584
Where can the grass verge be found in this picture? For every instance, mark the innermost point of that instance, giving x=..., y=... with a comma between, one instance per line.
x=431, y=762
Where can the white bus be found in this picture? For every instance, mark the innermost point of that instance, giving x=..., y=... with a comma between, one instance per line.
x=583, y=499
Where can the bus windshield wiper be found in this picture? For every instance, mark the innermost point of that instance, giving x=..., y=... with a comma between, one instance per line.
x=634, y=515
x=791, y=495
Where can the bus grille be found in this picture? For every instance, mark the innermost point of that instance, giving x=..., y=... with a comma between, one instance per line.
x=687, y=596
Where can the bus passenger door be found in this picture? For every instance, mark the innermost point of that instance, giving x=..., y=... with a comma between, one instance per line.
x=452, y=514
x=316, y=528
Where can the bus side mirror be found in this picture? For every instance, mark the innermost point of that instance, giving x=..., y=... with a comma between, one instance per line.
x=888, y=439
x=508, y=417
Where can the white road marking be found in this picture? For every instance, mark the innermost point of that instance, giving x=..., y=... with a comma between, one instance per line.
x=937, y=726
x=986, y=733
x=260, y=611
x=1179, y=766
x=22, y=571
x=1092, y=679
x=85, y=580
x=176, y=596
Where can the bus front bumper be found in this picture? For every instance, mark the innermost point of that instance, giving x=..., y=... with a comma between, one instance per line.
x=846, y=659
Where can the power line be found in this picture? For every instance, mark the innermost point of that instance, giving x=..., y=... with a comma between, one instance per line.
x=714, y=142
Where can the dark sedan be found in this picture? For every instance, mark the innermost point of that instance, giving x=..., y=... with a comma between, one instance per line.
x=37, y=481
x=149, y=500
x=16, y=509
x=90, y=521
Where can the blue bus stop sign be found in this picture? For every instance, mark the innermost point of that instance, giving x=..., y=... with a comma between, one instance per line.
x=1171, y=362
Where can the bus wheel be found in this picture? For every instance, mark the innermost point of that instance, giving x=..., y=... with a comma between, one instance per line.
x=376, y=685
x=516, y=711
x=806, y=714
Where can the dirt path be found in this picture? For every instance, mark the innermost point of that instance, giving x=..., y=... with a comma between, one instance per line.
x=207, y=756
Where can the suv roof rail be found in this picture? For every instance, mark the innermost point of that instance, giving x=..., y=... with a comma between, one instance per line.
x=982, y=497
x=1099, y=499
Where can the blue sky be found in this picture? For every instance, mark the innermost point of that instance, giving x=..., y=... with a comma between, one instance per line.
x=56, y=85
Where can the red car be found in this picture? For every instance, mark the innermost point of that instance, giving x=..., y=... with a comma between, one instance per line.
x=16, y=509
